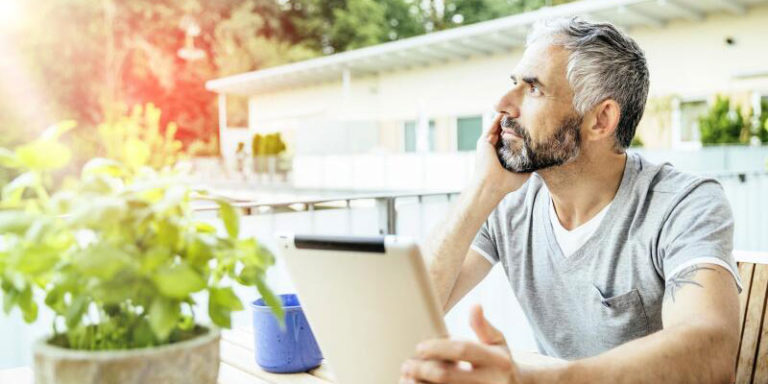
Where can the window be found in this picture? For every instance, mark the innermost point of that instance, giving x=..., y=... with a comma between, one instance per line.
x=686, y=122
x=411, y=136
x=689, y=118
x=468, y=130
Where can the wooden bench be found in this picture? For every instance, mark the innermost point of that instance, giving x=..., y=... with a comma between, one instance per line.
x=752, y=361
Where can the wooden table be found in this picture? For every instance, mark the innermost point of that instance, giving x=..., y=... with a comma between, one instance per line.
x=238, y=365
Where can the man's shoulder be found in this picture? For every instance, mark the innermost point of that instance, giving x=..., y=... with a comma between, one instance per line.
x=664, y=184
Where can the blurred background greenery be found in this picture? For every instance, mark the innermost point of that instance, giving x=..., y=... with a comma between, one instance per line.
x=92, y=61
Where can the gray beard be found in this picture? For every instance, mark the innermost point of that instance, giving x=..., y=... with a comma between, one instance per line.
x=528, y=157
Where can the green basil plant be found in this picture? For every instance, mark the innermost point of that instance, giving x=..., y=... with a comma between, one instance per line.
x=118, y=253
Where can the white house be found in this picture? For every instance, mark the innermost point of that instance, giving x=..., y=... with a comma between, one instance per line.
x=431, y=94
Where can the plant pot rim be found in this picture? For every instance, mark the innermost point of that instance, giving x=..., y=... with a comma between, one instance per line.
x=42, y=346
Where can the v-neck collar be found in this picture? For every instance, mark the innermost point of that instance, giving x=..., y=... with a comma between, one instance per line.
x=571, y=261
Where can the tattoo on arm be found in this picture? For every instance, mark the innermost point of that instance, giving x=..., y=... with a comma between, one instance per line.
x=682, y=278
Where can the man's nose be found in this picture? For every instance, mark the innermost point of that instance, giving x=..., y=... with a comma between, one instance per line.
x=509, y=104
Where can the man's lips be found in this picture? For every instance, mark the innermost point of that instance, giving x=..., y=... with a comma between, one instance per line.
x=509, y=133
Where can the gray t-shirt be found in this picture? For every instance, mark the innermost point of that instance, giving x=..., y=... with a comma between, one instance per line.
x=610, y=290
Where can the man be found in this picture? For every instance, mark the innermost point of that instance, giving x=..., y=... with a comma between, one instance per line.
x=623, y=267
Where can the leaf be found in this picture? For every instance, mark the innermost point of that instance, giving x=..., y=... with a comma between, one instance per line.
x=8, y=159
x=101, y=260
x=55, y=299
x=204, y=227
x=98, y=211
x=143, y=336
x=154, y=257
x=274, y=302
x=27, y=305
x=178, y=281
x=55, y=131
x=35, y=259
x=249, y=275
x=75, y=311
x=102, y=166
x=43, y=155
x=10, y=297
x=15, y=221
x=13, y=191
x=221, y=303
x=163, y=316
x=136, y=153
x=168, y=233
x=229, y=217
x=198, y=252
x=251, y=253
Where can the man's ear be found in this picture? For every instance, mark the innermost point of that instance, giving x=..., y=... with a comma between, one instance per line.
x=605, y=120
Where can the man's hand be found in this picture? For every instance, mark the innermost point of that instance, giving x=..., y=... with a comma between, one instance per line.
x=437, y=361
x=488, y=168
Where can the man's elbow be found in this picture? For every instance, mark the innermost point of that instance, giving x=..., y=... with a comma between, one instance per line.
x=720, y=351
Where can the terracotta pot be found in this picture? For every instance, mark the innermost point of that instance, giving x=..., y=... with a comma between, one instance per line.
x=194, y=361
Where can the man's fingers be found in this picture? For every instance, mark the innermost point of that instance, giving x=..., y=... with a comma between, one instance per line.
x=433, y=371
x=486, y=332
x=455, y=350
x=493, y=131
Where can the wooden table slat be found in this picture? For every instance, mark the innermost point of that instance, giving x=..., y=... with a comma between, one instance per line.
x=244, y=337
x=754, y=319
x=745, y=271
x=243, y=359
x=231, y=375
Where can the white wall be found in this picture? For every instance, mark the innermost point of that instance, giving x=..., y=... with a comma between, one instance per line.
x=692, y=59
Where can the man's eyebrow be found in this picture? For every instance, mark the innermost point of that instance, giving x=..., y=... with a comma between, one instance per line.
x=530, y=80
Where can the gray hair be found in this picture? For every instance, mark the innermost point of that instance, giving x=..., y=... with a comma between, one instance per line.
x=604, y=63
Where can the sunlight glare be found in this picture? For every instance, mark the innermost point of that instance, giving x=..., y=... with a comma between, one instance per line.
x=10, y=14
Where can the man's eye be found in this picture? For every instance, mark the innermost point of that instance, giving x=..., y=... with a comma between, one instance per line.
x=534, y=90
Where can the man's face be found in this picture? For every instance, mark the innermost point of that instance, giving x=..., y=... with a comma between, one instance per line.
x=540, y=128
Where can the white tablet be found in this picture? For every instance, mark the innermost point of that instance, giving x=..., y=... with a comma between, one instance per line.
x=368, y=300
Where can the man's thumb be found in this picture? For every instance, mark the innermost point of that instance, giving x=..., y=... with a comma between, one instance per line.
x=483, y=329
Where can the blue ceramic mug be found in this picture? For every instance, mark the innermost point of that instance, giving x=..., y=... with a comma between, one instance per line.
x=288, y=350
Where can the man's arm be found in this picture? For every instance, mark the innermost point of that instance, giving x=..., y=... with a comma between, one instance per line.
x=697, y=345
x=454, y=268
x=473, y=271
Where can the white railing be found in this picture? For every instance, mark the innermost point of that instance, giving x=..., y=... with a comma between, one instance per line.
x=451, y=170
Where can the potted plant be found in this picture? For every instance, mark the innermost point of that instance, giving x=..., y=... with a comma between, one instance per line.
x=266, y=150
x=121, y=260
x=723, y=124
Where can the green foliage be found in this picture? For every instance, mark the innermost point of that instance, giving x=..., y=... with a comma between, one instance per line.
x=118, y=254
x=200, y=148
x=637, y=142
x=723, y=124
x=138, y=140
x=331, y=26
x=761, y=128
x=271, y=144
x=127, y=52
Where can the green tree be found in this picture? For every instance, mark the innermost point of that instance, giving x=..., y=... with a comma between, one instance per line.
x=360, y=24
x=463, y=12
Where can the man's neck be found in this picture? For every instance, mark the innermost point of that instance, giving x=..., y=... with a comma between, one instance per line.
x=582, y=188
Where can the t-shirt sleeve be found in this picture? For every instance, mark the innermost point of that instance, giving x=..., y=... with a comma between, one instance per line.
x=485, y=245
x=698, y=230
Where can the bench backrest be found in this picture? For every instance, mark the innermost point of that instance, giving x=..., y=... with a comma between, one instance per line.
x=752, y=361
